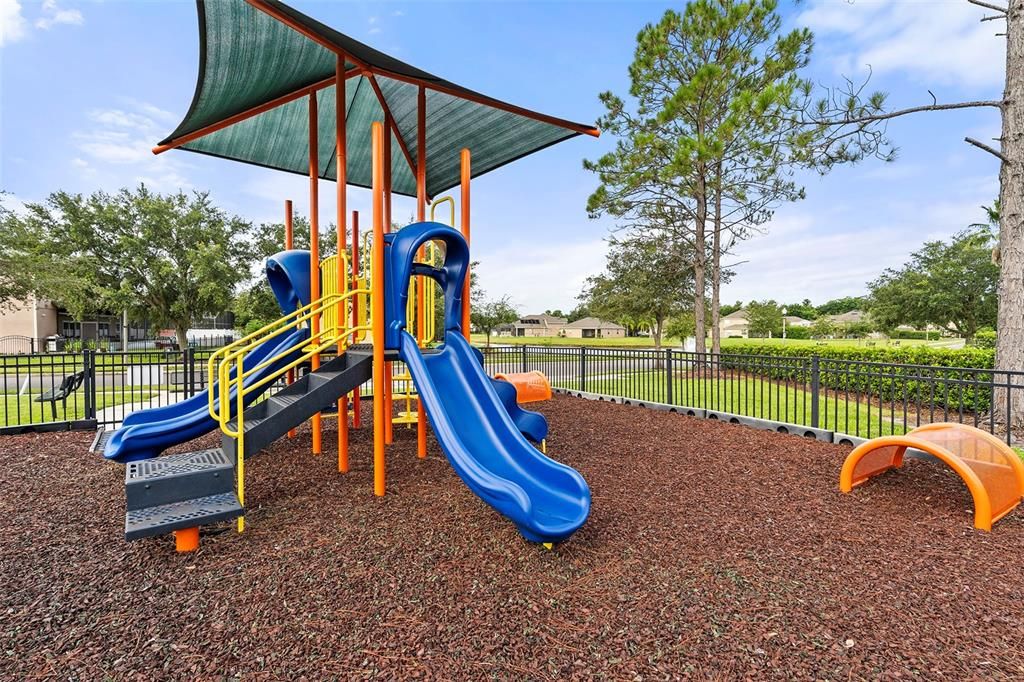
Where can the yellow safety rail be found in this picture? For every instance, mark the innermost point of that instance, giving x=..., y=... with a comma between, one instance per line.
x=336, y=334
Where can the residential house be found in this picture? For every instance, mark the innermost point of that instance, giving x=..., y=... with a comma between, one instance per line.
x=537, y=325
x=593, y=328
x=737, y=325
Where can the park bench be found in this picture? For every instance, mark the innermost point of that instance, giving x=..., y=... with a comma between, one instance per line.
x=68, y=385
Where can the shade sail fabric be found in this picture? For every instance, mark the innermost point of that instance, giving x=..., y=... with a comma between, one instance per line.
x=249, y=58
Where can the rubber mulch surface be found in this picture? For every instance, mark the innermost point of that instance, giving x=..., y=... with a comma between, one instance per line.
x=712, y=551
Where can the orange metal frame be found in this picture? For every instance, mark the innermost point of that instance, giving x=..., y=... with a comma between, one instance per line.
x=984, y=514
x=341, y=185
x=314, y=248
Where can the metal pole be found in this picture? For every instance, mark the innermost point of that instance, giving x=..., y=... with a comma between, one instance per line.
x=289, y=239
x=341, y=186
x=465, y=161
x=314, y=251
x=421, y=290
x=815, y=389
x=357, y=420
x=377, y=313
x=389, y=435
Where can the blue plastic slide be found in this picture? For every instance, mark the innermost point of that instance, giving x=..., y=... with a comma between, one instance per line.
x=146, y=433
x=531, y=424
x=547, y=501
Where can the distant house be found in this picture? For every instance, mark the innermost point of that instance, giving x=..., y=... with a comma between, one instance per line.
x=846, y=319
x=794, y=321
x=736, y=324
x=537, y=325
x=593, y=328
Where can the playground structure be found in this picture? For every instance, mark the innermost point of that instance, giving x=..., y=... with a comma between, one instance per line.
x=992, y=470
x=348, y=317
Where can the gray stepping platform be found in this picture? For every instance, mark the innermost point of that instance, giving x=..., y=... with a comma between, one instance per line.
x=149, y=521
x=177, y=478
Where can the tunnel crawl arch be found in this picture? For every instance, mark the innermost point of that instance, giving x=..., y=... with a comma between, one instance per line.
x=993, y=472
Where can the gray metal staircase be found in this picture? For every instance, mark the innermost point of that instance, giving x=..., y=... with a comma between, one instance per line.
x=195, y=488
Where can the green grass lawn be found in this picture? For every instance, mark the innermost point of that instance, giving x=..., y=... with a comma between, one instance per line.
x=752, y=397
x=646, y=342
x=24, y=410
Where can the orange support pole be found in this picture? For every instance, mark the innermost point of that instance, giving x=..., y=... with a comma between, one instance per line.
x=377, y=303
x=186, y=539
x=421, y=289
x=289, y=240
x=341, y=186
x=389, y=434
x=314, y=250
x=465, y=160
x=357, y=420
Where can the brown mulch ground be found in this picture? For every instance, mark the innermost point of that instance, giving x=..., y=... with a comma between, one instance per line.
x=713, y=550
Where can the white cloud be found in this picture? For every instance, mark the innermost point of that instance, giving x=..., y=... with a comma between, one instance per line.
x=836, y=253
x=397, y=13
x=374, y=30
x=116, y=149
x=54, y=15
x=941, y=43
x=13, y=26
x=539, y=279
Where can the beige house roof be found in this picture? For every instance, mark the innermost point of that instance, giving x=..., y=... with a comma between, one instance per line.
x=737, y=315
x=593, y=323
x=848, y=318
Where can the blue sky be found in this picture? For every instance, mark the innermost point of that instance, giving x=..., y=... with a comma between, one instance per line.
x=86, y=88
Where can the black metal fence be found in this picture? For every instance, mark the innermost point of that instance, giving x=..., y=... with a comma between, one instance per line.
x=863, y=399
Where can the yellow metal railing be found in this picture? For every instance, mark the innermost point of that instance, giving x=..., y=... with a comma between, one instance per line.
x=334, y=332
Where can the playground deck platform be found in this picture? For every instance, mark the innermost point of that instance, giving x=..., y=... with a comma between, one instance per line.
x=713, y=550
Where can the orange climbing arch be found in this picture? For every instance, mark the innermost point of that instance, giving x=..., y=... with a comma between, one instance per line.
x=993, y=472
x=531, y=387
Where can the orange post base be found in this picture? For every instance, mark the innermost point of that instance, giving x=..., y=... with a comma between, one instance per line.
x=186, y=539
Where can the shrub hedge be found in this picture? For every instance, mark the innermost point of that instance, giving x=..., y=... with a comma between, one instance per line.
x=918, y=375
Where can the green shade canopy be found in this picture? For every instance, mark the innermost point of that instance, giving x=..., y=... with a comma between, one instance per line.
x=260, y=59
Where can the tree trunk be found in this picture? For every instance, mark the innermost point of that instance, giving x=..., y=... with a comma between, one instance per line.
x=182, y=335
x=700, y=326
x=716, y=266
x=657, y=330
x=1010, y=325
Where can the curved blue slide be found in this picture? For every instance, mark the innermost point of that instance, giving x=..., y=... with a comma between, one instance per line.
x=548, y=501
x=146, y=433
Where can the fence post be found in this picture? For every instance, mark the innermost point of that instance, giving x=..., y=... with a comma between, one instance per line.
x=522, y=351
x=815, y=389
x=89, y=367
x=583, y=368
x=669, y=398
x=190, y=369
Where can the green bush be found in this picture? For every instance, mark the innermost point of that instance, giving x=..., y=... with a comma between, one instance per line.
x=913, y=335
x=985, y=338
x=918, y=375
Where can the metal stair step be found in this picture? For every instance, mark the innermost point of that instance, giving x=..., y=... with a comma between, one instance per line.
x=161, y=519
x=317, y=392
x=174, y=478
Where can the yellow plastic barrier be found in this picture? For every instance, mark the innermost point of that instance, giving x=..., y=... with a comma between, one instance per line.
x=531, y=387
x=992, y=470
